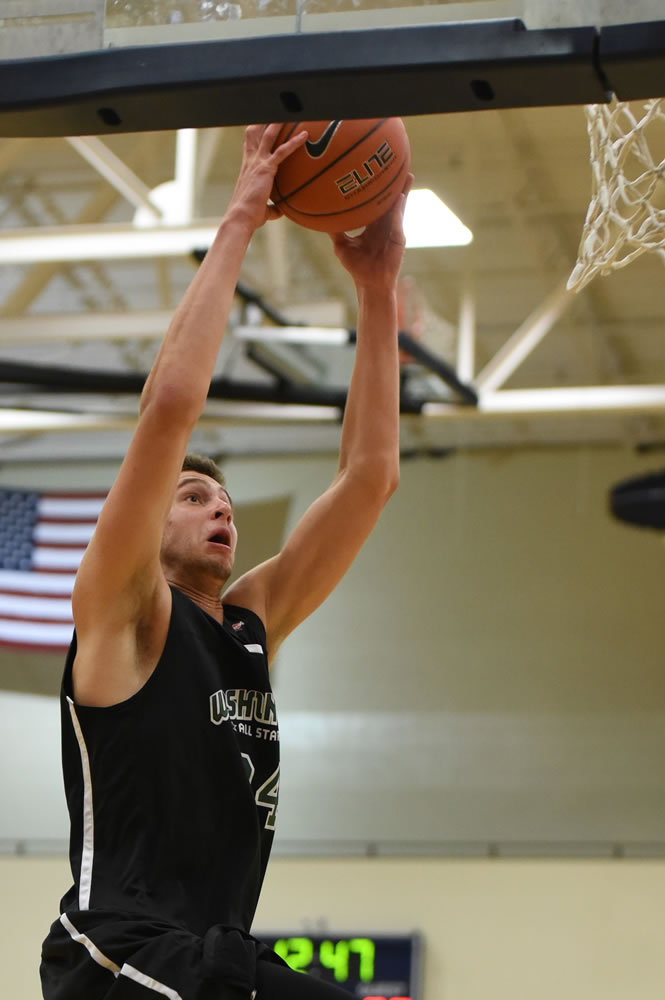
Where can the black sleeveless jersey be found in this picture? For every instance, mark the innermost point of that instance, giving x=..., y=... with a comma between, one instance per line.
x=172, y=794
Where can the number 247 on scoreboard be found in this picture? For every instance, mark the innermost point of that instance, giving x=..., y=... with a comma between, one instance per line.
x=362, y=966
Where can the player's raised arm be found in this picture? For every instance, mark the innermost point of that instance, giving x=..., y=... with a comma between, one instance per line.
x=287, y=588
x=121, y=599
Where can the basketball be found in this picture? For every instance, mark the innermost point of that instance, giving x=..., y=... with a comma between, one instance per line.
x=345, y=176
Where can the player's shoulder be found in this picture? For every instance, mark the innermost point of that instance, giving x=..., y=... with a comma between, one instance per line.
x=241, y=618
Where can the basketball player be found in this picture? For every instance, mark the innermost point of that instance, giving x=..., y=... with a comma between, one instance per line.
x=170, y=743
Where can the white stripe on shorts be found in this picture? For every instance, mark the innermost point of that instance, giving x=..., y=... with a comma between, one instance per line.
x=152, y=984
x=91, y=947
x=127, y=970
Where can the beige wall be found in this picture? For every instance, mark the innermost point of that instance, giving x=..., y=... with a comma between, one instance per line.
x=493, y=930
x=492, y=663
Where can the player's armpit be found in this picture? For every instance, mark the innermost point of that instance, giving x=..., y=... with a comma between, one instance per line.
x=112, y=663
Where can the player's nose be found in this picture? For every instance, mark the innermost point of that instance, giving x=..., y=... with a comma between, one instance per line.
x=222, y=510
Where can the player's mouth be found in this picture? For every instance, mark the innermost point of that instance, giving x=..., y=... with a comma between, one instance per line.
x=221, y=538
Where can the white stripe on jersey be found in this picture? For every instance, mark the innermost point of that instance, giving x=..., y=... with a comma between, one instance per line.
x=87, y=854
x=253, y=647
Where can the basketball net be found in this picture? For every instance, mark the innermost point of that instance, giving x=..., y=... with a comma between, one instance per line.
x=626, y=215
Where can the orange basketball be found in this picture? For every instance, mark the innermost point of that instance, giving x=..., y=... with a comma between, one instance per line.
x=346, y=175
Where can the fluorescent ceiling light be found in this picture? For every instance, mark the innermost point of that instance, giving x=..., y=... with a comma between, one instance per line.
x=428, y=222
x=293, y=334
x=29, y=421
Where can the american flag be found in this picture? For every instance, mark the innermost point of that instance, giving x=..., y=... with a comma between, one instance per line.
x=42, y=539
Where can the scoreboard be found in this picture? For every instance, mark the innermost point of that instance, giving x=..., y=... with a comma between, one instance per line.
x=368, y=966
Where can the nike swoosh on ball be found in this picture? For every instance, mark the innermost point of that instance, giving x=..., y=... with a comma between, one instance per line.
x=318, y=148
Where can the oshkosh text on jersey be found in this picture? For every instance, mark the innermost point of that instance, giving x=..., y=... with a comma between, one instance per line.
x=244, y=706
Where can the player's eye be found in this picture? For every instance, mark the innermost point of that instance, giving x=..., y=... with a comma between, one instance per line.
x=193, y=496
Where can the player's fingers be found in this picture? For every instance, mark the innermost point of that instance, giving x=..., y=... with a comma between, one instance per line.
x=396, y=214
x=397, y=210
x=381, y=228
x=408, y=184
x=253, y=135
x=286, y=148
x=268, y=136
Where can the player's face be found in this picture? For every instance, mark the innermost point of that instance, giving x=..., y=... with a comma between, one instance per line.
x=200, y=535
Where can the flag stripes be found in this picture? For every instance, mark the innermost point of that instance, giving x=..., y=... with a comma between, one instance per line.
x=42, y=540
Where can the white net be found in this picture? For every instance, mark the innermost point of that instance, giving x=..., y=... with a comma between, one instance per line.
x=626, y=215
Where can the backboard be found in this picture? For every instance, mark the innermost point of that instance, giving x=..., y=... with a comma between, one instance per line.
x=136, y=65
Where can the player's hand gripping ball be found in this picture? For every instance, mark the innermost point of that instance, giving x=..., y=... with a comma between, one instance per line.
x=347, y=174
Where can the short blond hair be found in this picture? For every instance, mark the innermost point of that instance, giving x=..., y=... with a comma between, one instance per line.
x=193, y=462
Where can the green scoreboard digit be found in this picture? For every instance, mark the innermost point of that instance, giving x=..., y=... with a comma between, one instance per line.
x=370, y=967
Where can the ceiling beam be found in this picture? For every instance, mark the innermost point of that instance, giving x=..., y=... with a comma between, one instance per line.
x=466, y=331
x=276, y=238
x=596, y=399
x=94, y=209
x=496, y=407
x=116, y=172
x=39, y=276
x=31, y=421
x=186, y=155
x=208, y=145
x=518, y=347
x=147, y=324
x=103, y=242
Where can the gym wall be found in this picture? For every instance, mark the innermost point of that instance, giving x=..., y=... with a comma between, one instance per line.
x=492, y=663
x=506, y=929
x=487, y=680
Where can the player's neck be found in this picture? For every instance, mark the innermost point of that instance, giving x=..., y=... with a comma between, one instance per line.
x=207, y=597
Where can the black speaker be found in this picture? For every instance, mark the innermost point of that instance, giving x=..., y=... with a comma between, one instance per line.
x=640, y=501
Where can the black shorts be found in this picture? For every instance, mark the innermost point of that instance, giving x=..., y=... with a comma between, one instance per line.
x=90, y=955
